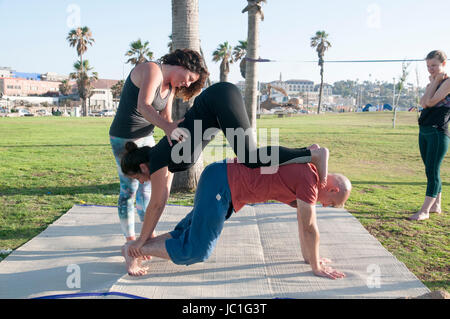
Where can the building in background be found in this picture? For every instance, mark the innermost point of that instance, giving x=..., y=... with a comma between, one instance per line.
x=24, y=87
x=102, y=99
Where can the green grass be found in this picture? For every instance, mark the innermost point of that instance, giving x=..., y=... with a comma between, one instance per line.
x=50, y=164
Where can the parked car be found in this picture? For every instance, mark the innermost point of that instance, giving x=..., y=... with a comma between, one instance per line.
x=24, y=112
x=43, y=112
x=107, y=113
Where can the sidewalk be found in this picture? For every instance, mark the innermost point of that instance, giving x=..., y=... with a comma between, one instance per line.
x=257, y=256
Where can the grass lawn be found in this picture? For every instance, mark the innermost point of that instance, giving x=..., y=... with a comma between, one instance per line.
x=49, y=164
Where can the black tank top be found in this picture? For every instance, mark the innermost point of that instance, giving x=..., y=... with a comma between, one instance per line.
x=129, y=122
x=437, y=116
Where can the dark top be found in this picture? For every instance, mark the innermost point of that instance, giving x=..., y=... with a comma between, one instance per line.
x=437, y=116
x=219, y=107
x=129, y=122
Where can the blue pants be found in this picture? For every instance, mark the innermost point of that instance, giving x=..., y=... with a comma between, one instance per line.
x=130, y=188
x=195, y=236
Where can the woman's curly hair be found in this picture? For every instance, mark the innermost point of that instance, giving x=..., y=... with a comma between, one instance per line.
x=192, y=61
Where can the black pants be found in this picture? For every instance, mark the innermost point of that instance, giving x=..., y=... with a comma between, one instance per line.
x=221, y=107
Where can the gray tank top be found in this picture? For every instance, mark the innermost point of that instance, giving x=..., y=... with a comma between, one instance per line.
x=129, y=122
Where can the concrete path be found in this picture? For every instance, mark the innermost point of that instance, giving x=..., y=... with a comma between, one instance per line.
x=257, y=256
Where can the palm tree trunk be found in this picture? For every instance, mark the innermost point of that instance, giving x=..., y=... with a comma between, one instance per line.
x=251, y=71
x=83, y=100
x=185, y=34
x=223, y=71
x=320, y=89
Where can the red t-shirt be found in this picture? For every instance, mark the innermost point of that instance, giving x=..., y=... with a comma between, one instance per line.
x=290, y=182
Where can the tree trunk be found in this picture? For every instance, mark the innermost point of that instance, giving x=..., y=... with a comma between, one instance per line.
x=185, y=34
x=251, y=70
x=224, y=70
x=320, y=89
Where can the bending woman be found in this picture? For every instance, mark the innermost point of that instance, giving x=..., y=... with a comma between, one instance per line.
x=146, y=102
x=218, y=107
x=433, y=132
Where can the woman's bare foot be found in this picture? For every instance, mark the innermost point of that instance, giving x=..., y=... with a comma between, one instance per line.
x=319, y=157
x=436, y=209
x=134, y=265
x=420, y=216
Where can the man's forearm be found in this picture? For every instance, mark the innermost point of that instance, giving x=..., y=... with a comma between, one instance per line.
x=311, y=243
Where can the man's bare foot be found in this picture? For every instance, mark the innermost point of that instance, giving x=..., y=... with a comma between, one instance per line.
x=419, y=216
x=134, y=267
x=319, y=157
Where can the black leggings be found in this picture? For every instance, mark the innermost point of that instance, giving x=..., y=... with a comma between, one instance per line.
x=221, y=107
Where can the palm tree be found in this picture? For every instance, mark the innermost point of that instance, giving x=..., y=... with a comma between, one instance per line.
x=116, y=90
x=239, y=52
x=321, y=44
x=170, y=44
x=255, y=14
x=65, y=88
x=185, y=34
x=138, y=52
x=80, y=38
x=223, y=53
x=84, y=81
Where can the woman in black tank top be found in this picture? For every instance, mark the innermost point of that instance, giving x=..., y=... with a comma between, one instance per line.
x=146, y=102
x=434, y=136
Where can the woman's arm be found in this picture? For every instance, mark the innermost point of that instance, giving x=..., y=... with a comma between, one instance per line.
x=435, y=96
x=161, y=182
x=150, y=79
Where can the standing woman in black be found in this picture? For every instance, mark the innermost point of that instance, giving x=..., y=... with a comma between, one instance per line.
x=434, y=136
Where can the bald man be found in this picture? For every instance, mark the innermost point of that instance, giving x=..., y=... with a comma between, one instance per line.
x=227, y=186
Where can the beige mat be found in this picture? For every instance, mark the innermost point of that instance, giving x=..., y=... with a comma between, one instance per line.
x=257, y=256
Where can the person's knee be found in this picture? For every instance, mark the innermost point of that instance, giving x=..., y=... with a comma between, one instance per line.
x=193, y=255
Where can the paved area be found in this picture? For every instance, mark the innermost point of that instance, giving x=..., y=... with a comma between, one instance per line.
x=257, y=256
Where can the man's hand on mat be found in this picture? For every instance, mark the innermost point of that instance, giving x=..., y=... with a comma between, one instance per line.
x=328, y=272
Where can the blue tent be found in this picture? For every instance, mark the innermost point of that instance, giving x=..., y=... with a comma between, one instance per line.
x=387, y=107
x=366, y=108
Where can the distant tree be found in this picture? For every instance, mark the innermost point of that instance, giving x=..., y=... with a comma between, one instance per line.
x=80, y=38
x=65, y=88
x=239, y=53
x=321, y=44
x=139, y=52
x=116, y=90
x=223, y=53
x=399, y=89
x=84, y=81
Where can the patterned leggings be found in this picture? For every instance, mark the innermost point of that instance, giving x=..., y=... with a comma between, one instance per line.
x=130, y=188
